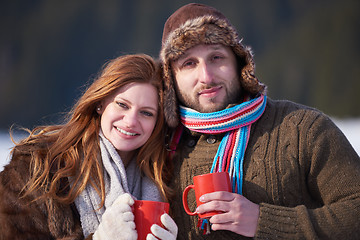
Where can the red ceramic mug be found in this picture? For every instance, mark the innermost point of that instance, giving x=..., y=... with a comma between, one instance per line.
x=146, y=214
x=206, y=183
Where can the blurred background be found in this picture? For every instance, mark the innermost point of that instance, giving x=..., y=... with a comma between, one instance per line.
x=306, y=51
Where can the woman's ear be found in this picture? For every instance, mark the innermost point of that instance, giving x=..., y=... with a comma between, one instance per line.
x=99, y=109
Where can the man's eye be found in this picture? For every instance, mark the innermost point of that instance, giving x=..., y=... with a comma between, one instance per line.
x=215, y=57
x=187, y=64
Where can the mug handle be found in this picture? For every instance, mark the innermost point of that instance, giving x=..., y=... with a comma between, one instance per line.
x=185, y=202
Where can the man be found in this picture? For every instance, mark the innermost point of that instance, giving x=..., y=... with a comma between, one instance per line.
x=294, y=174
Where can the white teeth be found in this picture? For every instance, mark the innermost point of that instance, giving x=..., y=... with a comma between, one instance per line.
x=125, y=132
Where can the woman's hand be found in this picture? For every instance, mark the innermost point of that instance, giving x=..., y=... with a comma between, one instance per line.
x=118, y=221
x=168, y=233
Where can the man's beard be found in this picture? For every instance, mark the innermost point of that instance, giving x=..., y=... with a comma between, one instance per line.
x=233, y=95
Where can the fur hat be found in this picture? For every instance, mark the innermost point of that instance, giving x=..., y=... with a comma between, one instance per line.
x=195, y=24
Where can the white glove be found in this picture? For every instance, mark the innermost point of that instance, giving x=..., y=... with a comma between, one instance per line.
x=118, y=221
x=170, y=233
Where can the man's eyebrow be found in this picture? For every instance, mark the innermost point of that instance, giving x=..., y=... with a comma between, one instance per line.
x=185, y=55
x=214, y=46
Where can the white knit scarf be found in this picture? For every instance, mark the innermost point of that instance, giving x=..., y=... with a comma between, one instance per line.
x=118, y=180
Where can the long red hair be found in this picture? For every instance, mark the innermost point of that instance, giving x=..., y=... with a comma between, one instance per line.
x=71, y=150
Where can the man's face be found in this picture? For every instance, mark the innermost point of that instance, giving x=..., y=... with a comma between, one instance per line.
x=206, y=78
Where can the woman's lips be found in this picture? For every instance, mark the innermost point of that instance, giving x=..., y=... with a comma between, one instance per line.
x=128, y=133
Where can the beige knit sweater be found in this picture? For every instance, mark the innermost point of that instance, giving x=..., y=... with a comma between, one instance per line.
x=298, y=166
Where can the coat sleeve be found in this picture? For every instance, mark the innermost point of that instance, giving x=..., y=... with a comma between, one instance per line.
x=22, y=217
x=333, y=179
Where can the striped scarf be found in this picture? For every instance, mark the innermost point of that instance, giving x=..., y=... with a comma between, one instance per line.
x=235, y=122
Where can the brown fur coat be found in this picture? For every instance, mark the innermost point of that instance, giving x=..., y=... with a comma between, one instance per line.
x=20, y=218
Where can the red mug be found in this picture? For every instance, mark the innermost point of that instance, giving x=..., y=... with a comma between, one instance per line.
x=206, y=183
x=146, y=214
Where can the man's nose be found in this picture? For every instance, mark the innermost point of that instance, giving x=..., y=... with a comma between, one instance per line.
x=205, y=73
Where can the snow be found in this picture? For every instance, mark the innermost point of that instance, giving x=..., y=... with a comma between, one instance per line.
x=5, y=145
x=350, y=127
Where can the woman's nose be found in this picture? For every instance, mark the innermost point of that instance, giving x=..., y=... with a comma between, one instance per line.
x=130, y=118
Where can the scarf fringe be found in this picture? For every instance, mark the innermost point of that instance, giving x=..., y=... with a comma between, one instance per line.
x=204, y=225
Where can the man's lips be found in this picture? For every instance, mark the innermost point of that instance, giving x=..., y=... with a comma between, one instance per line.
x=210, y=91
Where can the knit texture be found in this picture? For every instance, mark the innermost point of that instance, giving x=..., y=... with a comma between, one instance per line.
x=24, y=218
x=236, y=123
x=298, y=166
x=118, y=180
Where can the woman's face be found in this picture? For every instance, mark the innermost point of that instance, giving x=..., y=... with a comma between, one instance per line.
x=128, y=117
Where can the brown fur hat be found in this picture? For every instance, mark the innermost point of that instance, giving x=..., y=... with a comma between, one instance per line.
x=195, y=24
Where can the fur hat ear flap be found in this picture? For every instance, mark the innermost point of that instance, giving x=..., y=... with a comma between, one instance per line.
x=195, y=24
x=248, y=79
x=170, y=100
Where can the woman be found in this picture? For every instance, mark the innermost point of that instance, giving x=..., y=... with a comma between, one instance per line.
x=79, y=179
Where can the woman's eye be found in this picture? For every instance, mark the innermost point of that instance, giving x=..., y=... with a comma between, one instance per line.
x=122, y=105
x=148, y=114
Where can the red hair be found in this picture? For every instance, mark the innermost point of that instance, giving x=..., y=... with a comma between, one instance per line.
x=72, y=150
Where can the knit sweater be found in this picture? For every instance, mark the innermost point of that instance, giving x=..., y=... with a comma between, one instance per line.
x=299, y=167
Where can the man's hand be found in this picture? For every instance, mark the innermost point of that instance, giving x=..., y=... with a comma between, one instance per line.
x=240, y=215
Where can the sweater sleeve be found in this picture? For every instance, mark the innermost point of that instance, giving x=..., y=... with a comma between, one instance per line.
x=332, y=179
